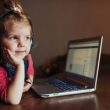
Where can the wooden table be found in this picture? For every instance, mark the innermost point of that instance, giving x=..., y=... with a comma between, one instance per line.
x=100, y=100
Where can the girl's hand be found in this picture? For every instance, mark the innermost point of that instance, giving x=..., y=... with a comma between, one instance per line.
x=9, y=57
x=27, y=85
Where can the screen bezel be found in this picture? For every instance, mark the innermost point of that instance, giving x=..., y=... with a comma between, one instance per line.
x=83, y=79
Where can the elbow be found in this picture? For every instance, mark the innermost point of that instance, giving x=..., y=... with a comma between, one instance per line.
x=13, y=101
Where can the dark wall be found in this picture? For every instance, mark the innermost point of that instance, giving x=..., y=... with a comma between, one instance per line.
x=57, y=21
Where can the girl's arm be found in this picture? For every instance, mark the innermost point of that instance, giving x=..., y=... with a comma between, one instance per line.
x=15, y=88
x=29, y=81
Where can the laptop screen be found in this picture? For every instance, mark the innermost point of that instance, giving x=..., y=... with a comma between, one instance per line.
x=82, y=57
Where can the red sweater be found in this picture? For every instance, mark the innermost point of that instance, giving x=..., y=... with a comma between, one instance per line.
x=5, y=81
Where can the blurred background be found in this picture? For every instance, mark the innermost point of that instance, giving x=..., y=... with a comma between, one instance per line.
x=55, y=22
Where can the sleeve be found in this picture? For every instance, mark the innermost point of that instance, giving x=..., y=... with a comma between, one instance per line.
x=30, y=66
x=3, y=84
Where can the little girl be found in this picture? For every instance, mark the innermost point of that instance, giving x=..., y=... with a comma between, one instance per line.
x=16, y=65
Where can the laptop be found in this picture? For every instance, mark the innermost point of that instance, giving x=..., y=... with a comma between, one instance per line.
x=81, y=71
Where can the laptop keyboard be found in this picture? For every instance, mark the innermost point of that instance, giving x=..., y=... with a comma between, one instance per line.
x=64, y=85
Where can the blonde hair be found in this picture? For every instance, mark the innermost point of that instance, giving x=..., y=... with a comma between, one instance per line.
x=6, y=5
x=11, y=11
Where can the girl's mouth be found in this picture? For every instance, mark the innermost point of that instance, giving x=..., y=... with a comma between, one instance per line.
x=20, y=52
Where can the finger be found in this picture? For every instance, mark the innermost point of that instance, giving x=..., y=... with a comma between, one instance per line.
x=10, y=53
x=13, y=59
x=10, y=56
x=5, y=54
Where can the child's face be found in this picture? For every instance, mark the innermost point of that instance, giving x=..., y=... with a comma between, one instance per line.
x=18, y=39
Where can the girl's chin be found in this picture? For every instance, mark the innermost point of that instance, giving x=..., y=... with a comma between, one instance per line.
x=21, y=57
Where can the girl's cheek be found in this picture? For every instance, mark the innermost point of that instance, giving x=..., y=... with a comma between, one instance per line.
x=29, y=47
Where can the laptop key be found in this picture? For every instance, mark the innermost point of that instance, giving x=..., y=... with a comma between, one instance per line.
x=64, y=85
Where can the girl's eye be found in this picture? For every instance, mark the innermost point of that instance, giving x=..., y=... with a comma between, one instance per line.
x=28, y=38
x=13, y=38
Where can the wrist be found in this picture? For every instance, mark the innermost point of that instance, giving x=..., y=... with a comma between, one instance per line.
x=20, y=67
x=20, y=64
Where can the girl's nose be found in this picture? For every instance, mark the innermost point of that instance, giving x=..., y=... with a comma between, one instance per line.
x=21, y=43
